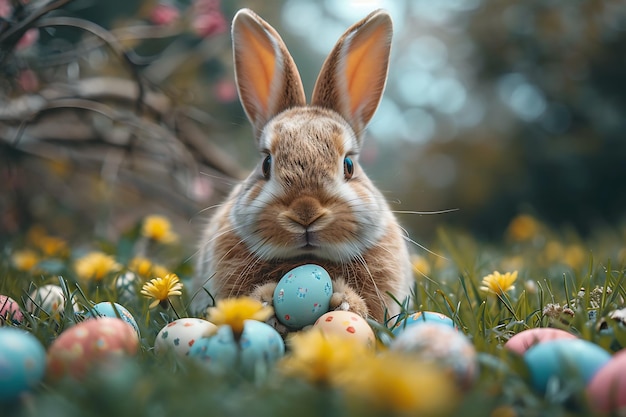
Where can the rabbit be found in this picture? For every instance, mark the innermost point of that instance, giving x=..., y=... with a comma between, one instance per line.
x=308, y=200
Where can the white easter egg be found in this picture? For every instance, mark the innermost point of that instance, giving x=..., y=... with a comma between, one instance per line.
x=180, y=335
x=302, y=296
x=50, y=299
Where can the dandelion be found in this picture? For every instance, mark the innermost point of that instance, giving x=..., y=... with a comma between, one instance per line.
x=158, y=228
x=323, y=359
x=24, y=260
x=420, y=265
x=95, y=266
x=400, y=385
x=234, y=311
x=145, y=268
x=497, y=283
x=523, y=228
x=160, y=289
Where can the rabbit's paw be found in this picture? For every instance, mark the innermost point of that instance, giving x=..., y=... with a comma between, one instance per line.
x=345, y=298
x=264, y=293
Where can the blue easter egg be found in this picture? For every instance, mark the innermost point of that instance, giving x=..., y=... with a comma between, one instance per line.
x=302, y=296
x=22, y=362
x=114, y=310
x=420, y=317
x=260, y=346
x=564, y=359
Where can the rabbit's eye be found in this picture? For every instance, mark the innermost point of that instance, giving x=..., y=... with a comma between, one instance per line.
x=348, y=167
x=267, y=166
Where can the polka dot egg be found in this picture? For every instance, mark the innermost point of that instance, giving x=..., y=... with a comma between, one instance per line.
x=22, y=362
x=347, y=324
x=88, y=344
x=302, y=295
x=180, y=335
x=114, y=310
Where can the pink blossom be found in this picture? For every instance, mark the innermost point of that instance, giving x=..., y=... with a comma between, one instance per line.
x=164, y=14
x=226, y=91
x=5, y=8
x=209, y=24
x=28, y=81
x=30, y=37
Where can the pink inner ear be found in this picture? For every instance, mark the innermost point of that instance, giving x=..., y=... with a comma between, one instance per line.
x=365, y=71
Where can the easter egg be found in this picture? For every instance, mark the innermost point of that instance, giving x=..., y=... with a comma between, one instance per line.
x=260, y=345
x=114, y=310
x=49, y=299
x=302, y=296
x=420, y=317
x=443, y=345
x=22, y=362
x=607, y=389
x=347, y=324
x=526, y=339
x=126, y=286
x=89, y=344
x=9, y=310
x=180, y=335
x=564, y=359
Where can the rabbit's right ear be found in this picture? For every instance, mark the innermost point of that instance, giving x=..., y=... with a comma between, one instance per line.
x=267, y=78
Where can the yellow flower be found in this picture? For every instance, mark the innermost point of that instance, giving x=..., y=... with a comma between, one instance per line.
x=158, y=228
x=162, y=288
x=498, y=283
x=575, y=256
x=234, y=311
x=24, y=260
x=523, y=228
x=145, y=268
x=421, y=267
x=323, y=358
x=95, y=266
x=400, y=384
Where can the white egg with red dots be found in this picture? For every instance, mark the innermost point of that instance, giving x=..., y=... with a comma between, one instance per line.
x=347, y=324
x=180, y=335
x=302, y=295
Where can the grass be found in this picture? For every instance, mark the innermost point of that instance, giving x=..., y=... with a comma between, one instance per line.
x=552, y=268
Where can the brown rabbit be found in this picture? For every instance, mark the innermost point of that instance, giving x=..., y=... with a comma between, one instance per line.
x=308, y=200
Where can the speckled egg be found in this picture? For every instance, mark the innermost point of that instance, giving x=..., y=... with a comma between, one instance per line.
x=115, y=310
x=526, y=339
x=261, y=345
x=89, y=344
x=420, y=317
x=22, y=362
x=302, y=296
x=9, y=310
x=607, y=389
x=564, y=359
x=443, y=345
x=49, y=298
x=180, y=335
x=347, y=324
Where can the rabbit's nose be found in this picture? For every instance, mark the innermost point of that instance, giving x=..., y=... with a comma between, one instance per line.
x=305, y=211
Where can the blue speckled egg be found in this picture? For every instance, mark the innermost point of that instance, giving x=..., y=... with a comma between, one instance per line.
x=302, y=296
x=420, y=317
x=564, y=359
x=108, y=309
x=22, y=362
x=260, y=345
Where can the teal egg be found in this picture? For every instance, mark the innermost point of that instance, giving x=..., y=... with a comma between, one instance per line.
x=420, y=317
x=564, y=359
x=302, y=296
x=260, y=346
x=22, y=362
x=115, y=310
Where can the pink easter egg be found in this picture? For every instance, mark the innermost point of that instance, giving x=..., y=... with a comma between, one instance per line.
x=607, y=389
x=524, y=340
x=9, y=310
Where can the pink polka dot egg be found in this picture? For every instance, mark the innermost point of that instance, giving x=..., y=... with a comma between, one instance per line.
x=89, y=344
x=9, y=310
x=347, y=324
x=180, y=335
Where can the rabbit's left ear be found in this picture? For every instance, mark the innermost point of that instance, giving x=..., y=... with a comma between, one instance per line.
x=267, y=78
x=353, y=78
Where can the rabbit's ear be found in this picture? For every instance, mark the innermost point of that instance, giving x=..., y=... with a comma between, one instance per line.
x=267, y=78
x=352, y=79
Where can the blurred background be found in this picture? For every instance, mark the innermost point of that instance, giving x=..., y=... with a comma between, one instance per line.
x=113, y=110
